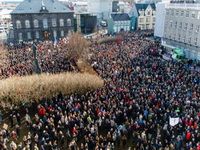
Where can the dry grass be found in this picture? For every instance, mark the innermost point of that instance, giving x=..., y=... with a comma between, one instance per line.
x=37, y=87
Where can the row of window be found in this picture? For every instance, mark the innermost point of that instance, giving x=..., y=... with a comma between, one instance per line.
x=146, y=26
x=148, y=13
x=148, y=19
x=45, y=23
x=37, y=35
x=118, y=29
x=122, y=22
x=182, y=38
x=182, y=13
x=185, y=26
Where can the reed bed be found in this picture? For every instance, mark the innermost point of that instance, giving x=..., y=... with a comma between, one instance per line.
x=36, y=87
x=109, y=39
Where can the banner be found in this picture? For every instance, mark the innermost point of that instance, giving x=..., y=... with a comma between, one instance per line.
x=173, y=121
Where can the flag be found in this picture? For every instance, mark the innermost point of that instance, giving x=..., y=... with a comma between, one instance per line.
x=173, y=121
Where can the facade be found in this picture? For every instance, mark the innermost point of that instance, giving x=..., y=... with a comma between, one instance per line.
x=119, y=22
x=146, y=15
x=160, y=19
x=182, y=27
x=41, y=20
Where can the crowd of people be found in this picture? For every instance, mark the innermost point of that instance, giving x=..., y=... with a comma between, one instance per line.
x=133, y=110
x=52, y=58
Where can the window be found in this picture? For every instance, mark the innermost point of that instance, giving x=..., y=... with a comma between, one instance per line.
x=141, y=20
x=180, y=25
x=115, y=29
x=55, y=34
x=175, y=24
x=198, y=15
x=189, y=39
x=171, y=23
x=20, y=36
x=37, y=36
x=61, y=22
x=18, y=24
x=187, y=14
x=28, y=35
x=191, y=26
x=27, y=24
x=54, y=24
x=166, y=23
x=179, y=37
x=174, y=36
x=154, y=19
x=142, y=27
x=147, y=26
x=69, y=22
x=193, y=14
x=45, y=23
x=62, y=33
x=182, y=13
x=195, y=41
x=177, y=13
x=167, y=12
x=147, y=19
x=172, y=12
x=186, y=24
x=184, y=38
x=35, y=23
x=148, y=12
x=197, y=28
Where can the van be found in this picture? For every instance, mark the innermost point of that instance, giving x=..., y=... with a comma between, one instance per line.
x=1, y=29
x=11, y=26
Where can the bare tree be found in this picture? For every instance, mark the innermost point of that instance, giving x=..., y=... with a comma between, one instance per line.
x=78, y=46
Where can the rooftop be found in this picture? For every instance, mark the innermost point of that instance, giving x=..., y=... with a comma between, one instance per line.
x=34, y=6
x=185, y=1
x=120, y=17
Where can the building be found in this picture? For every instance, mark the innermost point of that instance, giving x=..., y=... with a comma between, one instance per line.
x=86, y=23
x=80, y=7
x=101, y=8
x=160, y=19
x=182, y=27
x=145, y=14
x=119, y=22
x=41, y=20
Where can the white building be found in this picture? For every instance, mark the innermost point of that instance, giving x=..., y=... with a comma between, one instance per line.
x=182, y=27
x=102, y=8
x=80, y=7
x=5, y=13
x=124, y=7
x=160, y=18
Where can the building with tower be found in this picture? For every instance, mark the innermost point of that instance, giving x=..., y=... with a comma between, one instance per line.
x=41, y=20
